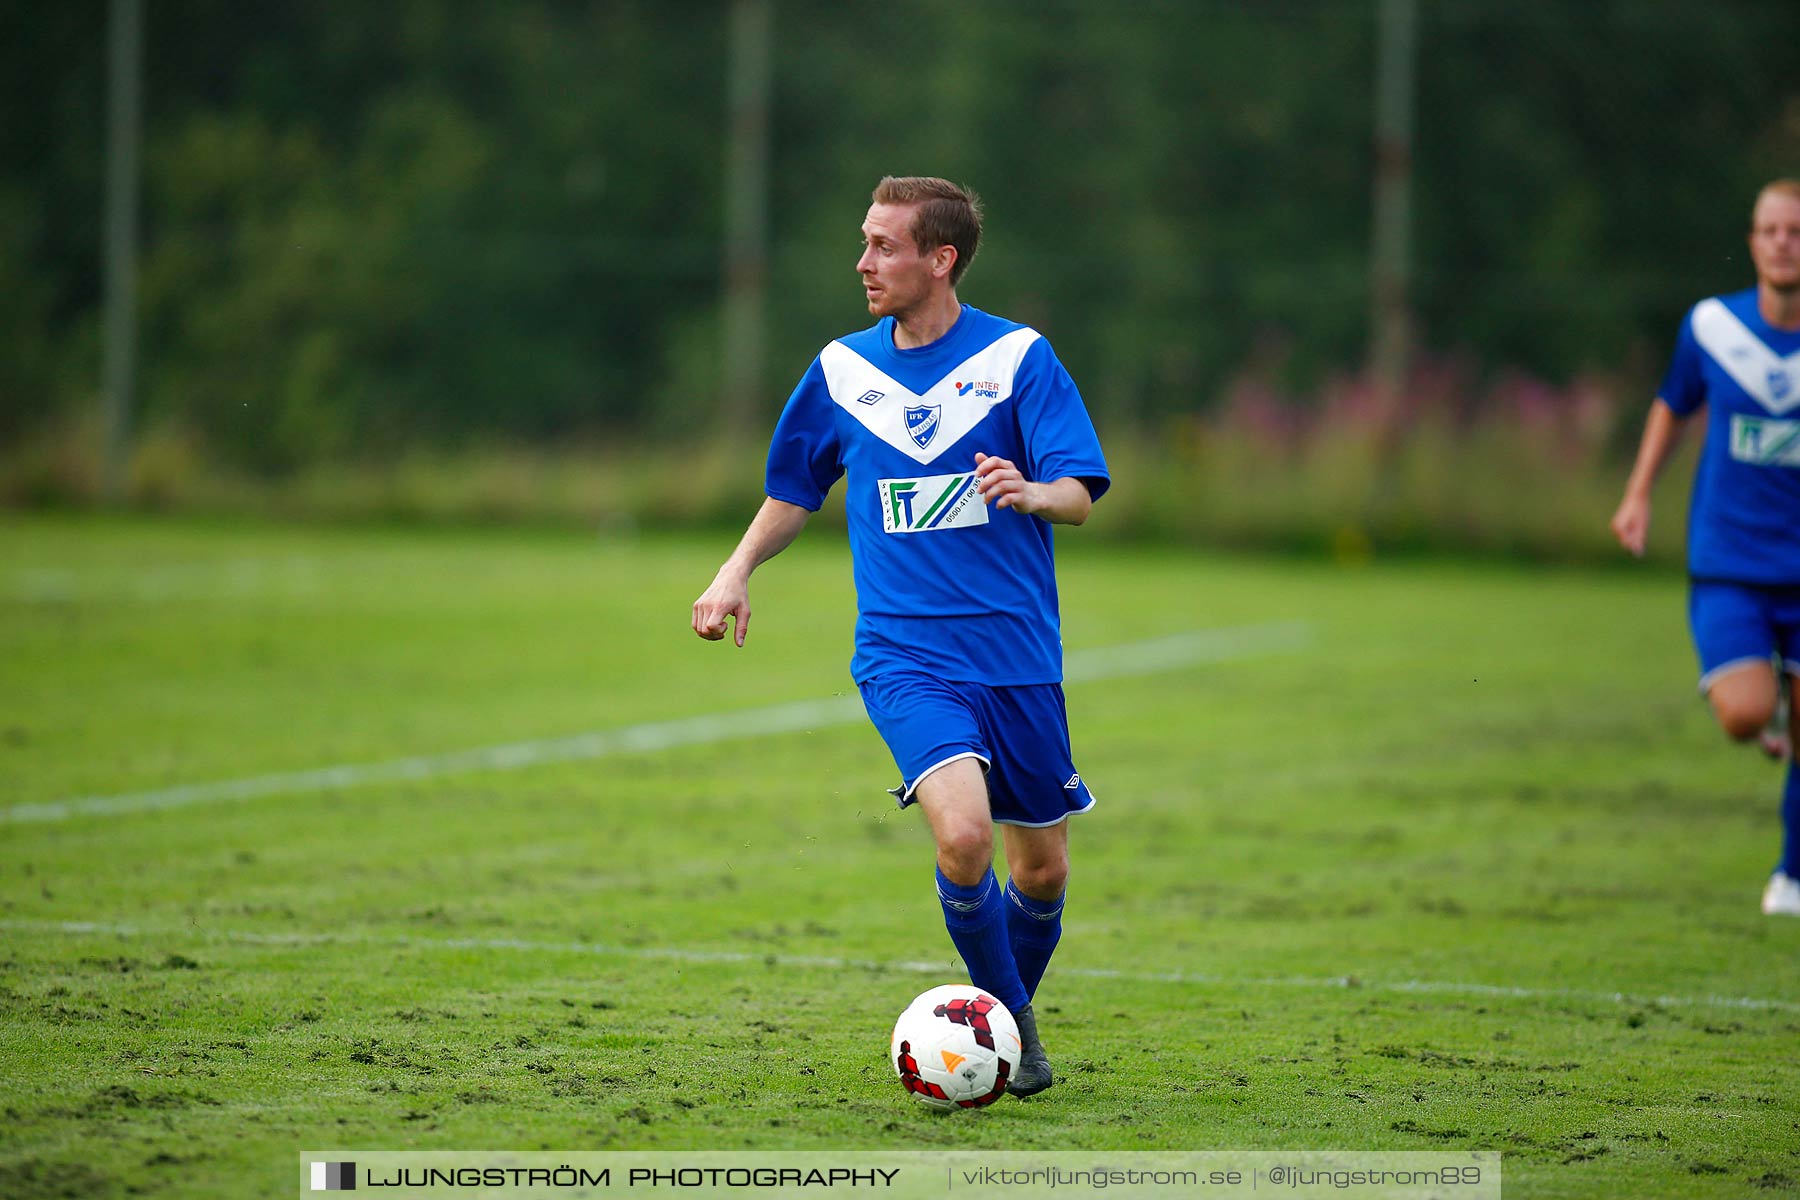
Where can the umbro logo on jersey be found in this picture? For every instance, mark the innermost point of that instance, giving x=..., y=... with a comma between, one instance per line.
x=870, y=396
x=1074, y=782
x=985, y=389
x=922, y=423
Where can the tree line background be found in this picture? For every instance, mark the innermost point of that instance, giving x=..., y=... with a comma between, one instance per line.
x=426, y=226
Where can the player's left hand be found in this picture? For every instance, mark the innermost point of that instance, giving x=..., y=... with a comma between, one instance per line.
x=1003, y=485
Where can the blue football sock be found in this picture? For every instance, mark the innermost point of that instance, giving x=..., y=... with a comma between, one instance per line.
x=1790, y=820
x=1034, y=927
x=976, y=918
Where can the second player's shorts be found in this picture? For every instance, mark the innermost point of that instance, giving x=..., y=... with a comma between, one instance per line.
x=1019, y=734
x=1738, y=623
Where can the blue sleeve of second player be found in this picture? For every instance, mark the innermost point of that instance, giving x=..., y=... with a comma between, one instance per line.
x=804, y=454
x=1684, y=387
x=1059, y=437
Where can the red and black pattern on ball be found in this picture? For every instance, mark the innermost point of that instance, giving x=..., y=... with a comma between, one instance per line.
x=909, y=1075
x=1002, y=1072
x=974, y=1014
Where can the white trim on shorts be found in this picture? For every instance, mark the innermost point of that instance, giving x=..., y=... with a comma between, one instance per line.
x=1073, y=812
x=905, y=797
x=1725, y=668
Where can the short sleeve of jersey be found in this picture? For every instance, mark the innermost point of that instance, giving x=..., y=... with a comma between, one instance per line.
x=805, y=457
x=1059, y=437
x=1684, y=387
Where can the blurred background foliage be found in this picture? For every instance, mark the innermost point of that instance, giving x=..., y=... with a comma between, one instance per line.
x=449, y=242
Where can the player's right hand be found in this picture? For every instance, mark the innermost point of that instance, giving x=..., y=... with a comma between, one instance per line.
x=1631, y=524
x=723, y=599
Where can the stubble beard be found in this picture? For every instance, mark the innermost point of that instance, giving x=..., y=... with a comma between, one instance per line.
x=888, y=308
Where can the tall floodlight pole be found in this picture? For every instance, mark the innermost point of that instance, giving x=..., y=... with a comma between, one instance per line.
x=746, y=215
x=1390, y=254
x=124, y=125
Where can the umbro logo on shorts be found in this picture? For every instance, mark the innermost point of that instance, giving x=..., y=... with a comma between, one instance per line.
x=1074, y=782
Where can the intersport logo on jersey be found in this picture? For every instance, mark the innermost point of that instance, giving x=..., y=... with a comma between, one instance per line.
x=928, y=503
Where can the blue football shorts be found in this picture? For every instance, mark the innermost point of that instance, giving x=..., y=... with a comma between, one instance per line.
x=1739, y=623
x=1019, y=734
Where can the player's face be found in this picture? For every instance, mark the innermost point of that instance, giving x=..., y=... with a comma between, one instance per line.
x=1775, y=241
x=896, y=276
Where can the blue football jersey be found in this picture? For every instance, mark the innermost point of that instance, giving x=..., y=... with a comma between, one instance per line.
x=1744, y=523
x=944, y=583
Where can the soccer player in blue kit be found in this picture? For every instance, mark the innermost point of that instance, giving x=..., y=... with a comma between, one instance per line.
x=1738, y=357
x=961, y=440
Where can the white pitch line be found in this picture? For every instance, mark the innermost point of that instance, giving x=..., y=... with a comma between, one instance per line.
x=834, y=963
x=1081, y=666
x=229, y=578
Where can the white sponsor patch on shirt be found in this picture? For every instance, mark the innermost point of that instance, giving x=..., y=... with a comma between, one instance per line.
x=927, y=503
x=1765, y=442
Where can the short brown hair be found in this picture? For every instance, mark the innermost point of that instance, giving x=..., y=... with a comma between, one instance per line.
x=947, y=215
x=1778, y=187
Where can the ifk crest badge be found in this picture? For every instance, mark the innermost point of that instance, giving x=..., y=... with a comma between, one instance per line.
x=1779, y=385
x=922, y=423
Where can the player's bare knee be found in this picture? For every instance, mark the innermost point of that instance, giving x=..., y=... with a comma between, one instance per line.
x=965, y=854
x=1742, y=719
x=1041, y=880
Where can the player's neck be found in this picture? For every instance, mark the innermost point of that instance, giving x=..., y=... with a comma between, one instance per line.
x=1780, y=307
x=927, y=323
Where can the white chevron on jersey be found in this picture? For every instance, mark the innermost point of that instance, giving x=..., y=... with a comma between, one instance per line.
x=1768, y=378
x=850, y=376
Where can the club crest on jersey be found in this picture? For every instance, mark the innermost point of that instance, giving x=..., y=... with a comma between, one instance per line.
x=922, y=423
x=1780, y=384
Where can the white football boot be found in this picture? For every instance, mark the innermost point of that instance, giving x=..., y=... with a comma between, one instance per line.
x=1782, y=896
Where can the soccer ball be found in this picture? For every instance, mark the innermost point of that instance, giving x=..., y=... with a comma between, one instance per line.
x=955, y=1047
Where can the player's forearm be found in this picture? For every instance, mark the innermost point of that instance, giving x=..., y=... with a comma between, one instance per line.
x=773, y=530
x=1063, y=501
x=1662, y=429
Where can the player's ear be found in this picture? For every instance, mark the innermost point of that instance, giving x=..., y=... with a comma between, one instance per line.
x=942, y=259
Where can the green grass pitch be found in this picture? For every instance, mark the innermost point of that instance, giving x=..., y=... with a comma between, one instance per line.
x=1466, y=867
